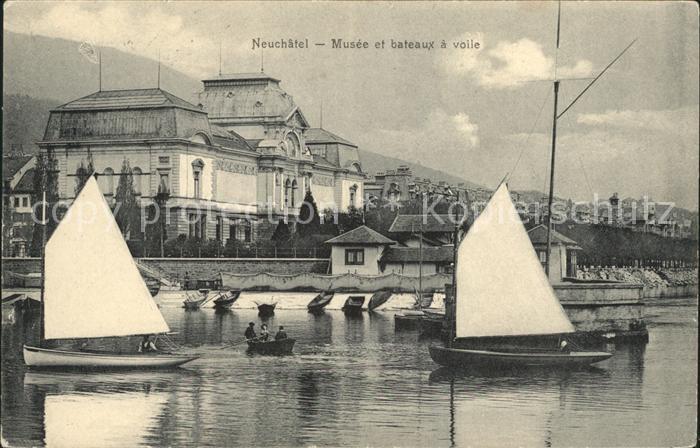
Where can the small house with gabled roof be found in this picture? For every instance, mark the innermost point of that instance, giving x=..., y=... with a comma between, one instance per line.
x=358, y=251
x=562, y=262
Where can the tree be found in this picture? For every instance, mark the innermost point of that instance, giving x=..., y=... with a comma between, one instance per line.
x=330, y=224
x=309, y=221
x=45, y=180
x=380, y=216
x=282, y=235
x=350, y=220
x=83, y=173
x=126, y=211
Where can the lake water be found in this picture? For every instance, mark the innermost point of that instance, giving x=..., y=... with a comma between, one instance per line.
x=354, y=382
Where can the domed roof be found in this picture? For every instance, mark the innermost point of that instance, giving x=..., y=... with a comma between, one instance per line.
x=246, y=96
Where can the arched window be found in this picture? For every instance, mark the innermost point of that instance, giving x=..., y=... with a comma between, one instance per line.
x=200, y=137
x=287, y=192
x=197, y=167
x=108, y=175
x=137, y=180
x=292, y=145
x=294, y=190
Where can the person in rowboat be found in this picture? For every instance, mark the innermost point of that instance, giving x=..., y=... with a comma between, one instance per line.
x=250, y=332
x=264, y=333
x=281, y=334
x=147, y=345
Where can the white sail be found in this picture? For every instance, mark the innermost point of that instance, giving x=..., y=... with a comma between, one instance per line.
x=502, y=289
x=93, y=287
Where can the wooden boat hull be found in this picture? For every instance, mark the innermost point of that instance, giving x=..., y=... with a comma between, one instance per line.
x=410, y=320
x=226, y=302
x=266, y=309
x=319, y=302
x=36, y=357
x=193, y=304
x=281, y=347
x=353, y=305
x=378, y=299
x=455, y=357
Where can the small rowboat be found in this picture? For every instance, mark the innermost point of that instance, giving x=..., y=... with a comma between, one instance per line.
x=153, y=286
x=266, y=309
x=194, y=301
x=320, y=301
x=408, y=320
x=279, y=347
x=353, y=305
x=378, y=299
x=226, y=300
x=37, y=357
x=455, y=357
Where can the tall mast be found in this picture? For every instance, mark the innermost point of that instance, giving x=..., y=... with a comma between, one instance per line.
x=554, y=144
x=420, y=257
x=43, y=263
x=551, y=176
x=558, y=115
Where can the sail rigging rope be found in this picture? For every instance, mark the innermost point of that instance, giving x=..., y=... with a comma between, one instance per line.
x=532, y=130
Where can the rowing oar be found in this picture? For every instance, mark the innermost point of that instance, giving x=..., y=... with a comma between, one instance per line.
x=232, y=344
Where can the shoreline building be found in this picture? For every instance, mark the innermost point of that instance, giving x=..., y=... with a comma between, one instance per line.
x=233, y=165
x=17, y=189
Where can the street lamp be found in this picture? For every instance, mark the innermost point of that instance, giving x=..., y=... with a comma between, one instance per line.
x=161, y=198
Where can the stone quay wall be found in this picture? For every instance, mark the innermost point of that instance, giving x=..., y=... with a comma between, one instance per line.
x=650, y=278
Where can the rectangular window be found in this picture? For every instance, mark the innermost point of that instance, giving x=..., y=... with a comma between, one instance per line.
x=354, y=256
x=25, y=202
x=242, y=231
x=219, y=228
x=232, y=231
x=164, y=183
x=197, y=225
x=248, y=233
x=16, y=202
x=196, y=185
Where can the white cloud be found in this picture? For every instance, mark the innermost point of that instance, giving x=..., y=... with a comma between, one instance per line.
x=467, y=128
x=443, y=141
x=678, y=121
x=509, y=64
x=603, y=161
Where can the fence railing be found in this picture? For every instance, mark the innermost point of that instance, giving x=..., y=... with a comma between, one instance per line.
x=140, y=250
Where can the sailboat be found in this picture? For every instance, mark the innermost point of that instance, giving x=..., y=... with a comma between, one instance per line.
x=92, y=288
x=505, y=311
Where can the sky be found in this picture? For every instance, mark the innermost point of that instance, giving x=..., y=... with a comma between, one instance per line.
x=480, y=113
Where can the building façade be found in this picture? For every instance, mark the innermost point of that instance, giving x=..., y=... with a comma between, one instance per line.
x=233, y=165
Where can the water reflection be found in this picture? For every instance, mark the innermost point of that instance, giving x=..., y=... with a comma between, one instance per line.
x=354, y=381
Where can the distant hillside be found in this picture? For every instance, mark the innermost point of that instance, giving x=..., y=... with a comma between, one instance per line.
x=373, y=163
x=55, y=69
x=23, y=121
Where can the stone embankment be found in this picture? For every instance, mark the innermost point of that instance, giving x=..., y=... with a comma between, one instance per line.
x=650, y=278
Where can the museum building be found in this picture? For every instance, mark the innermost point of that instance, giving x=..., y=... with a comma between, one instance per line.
x=233, y=165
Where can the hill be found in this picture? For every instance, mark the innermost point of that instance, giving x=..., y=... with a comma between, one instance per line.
x=373, y=163
x=24, y=121
x=57, y=70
